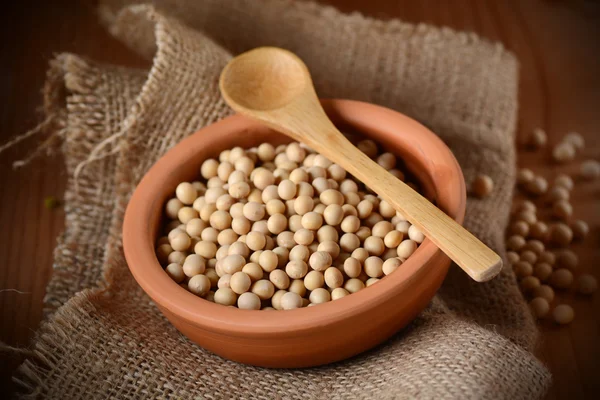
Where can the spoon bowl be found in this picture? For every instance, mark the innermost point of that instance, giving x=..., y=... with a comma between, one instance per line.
x=265, y=83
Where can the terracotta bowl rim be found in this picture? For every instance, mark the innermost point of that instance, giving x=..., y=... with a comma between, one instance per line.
x=138, y=243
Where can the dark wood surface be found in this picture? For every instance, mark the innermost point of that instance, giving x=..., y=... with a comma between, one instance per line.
x=555, y=41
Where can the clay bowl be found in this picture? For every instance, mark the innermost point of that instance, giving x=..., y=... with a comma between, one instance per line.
x=314, y=335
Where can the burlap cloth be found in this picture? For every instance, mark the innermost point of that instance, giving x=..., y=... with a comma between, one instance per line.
x=104, y=338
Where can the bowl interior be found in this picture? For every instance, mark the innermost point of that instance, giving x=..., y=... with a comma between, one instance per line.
x=424, y=155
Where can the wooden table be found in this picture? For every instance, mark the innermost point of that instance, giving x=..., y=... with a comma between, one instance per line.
x=560, y=91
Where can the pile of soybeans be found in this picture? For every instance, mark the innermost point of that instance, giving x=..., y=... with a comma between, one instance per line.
x=539, y=237
x=282, y=228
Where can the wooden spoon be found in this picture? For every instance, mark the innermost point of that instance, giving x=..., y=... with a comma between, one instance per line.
x=274, y=86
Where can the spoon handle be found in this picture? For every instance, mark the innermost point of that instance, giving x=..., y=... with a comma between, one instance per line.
x=317, y=131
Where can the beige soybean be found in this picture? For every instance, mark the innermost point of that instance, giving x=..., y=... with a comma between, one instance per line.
x=330, y=247
x=186, y=214
x=186, y=193
x=514, y=242
x=225, y=296
x=312, y=221
x=172, y=208
x=403, y=226
x=406, y=248
x=279, y=279
x=224, y=281
x=320, y=260
x=277, y=223
x=211, y=274
x=563, y=314
x=523, y=269
x=233, y=263
x=276, y=299
x=275, y=206
x=373, y=267
x=363, y=233
x=561, y=278
x=254, y=271
x=240, y=282
x=393, y=239
x=547, y=257
x=256, y=241
x=529, y=217
x=557, y=193
x=199, y=285
x=286, y=239
x=227, y=237
x=290, y=301
x=524, y=176
x=320, y=185
x=390, y=265
x=177, y=257
x=537, y=186
x=296, y=269
x=333, y=214
x=529, y=283
x=565, y=181
x=560, y=234
x=563, y=152
x=534, y=245
x=542, y=271
x=180, y=241
x=538, y=230
x=206, y=211
x=268, y=260
x=248, y=301
x=562, y=209
x=382, y=228
x=537, y=138
x=374, y=245
x=590, y=170
x=576, y=139
x=269, y=193
x=319, y=296
x=253, y=211
x=386, y=210
x=327, y=233
x=314, y=280
x=371, y=281
x=333, y=277
x=206, y=249
x=482, y=186
x=580, y=229
x=567, y=259
x=529, y=256
x=175, y=271
x=350, y=224
x=348, y=186
x=544, y=291
x=352, y=267
x=303, y=204
x=512, y=257
x=331, y=196
x=415, y=234
x=539, y=307
x=193, y=265
x=286, y=189
x=338, y=293
x=520, y=228
x=304, y=236
x=353, y=285
x=349, y=242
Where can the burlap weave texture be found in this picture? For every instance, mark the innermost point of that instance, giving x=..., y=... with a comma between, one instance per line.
x=474, y=340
